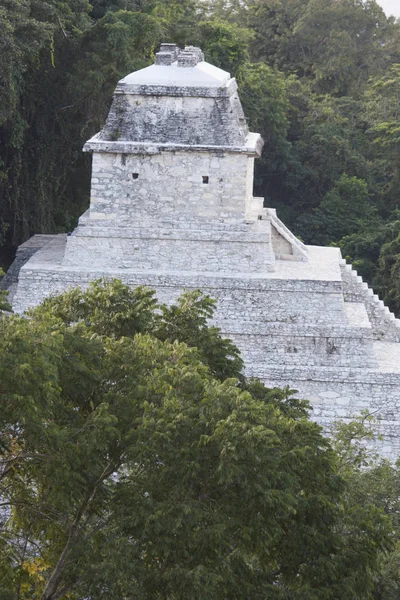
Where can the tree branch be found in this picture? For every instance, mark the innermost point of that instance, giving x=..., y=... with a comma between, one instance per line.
x=61, y=27
x=74, y=104
x=83, y=98
x=51, y=591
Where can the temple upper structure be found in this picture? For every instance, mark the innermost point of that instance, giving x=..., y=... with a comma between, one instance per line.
x=172, y=207
x=172, y=177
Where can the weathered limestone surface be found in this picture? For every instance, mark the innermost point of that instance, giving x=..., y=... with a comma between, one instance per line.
x=172, y=208
x=24, y=253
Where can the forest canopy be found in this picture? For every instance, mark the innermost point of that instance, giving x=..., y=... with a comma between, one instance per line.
x=319, y=79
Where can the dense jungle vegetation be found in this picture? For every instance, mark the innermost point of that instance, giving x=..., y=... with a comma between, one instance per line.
x=320, y=79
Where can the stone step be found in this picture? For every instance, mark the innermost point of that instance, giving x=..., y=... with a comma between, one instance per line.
x=377, y=310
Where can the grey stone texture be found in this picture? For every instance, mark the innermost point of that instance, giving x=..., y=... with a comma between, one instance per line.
x=24, y=253
x=172, y=208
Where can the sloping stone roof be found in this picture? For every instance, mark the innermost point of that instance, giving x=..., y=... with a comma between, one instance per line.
x=181, y=99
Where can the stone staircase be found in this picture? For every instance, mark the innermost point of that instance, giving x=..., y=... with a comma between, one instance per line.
x=385, y=325
x=298, y=248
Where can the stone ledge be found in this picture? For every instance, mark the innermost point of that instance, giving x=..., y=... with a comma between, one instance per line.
x=178, y=222
x=252, y=147
x=24, y=253
x=178, y=91
x=329, y=375
x=293, y=330
x=193, y=235
x=172, y=280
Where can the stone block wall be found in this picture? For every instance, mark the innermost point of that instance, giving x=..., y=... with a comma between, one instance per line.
x=170, y=117
x=243, y=303
x=344, y=393
x=312, y=346
x=24, y=253
x=180, y=254
x=174, y=185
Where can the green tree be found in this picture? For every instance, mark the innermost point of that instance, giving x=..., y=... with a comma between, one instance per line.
x=387, y=276
x=224, y=44
x=273, y=22
x=265, y=103
x=363, y=248
x=66, y=65
x=25, y=28
x=136, y=463
x=336, y=44
x=178, y=19
x=375, y=252
x=4, y=305
x=383, y=116
x=325, y=138
x=342, y=212
x=374, y=481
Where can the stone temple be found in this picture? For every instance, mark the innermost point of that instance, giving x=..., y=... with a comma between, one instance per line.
x=171, y=207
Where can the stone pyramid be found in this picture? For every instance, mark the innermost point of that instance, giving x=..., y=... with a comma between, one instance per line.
x=171, y=207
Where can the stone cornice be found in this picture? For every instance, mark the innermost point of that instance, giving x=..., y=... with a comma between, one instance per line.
x=253, y=147
x=178, y=91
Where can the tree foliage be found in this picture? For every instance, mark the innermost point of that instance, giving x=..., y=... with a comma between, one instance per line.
x=137, y=462
x=370, y=480
x=342, y=212
x=4, y=305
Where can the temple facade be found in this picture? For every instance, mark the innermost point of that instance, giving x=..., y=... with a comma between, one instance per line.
x=172, y=208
